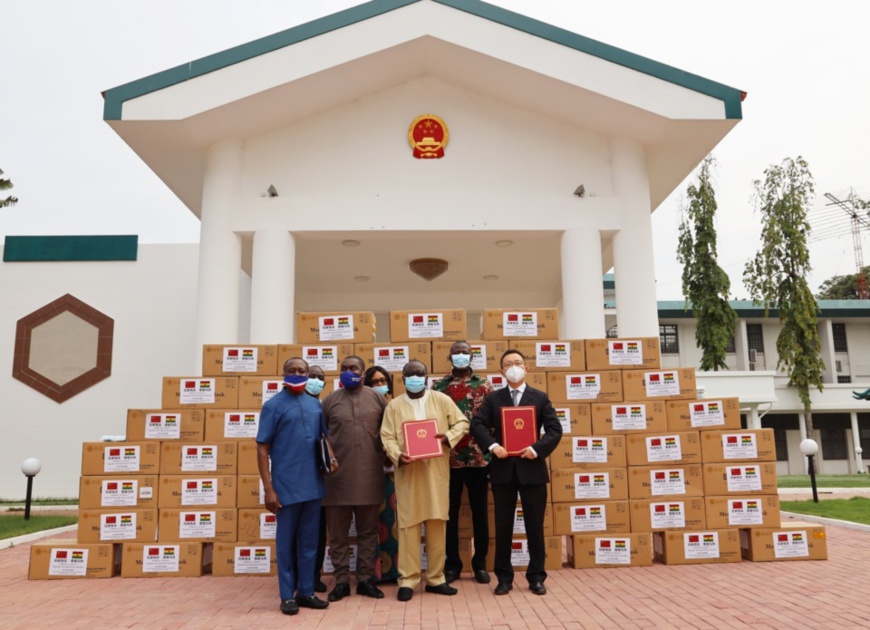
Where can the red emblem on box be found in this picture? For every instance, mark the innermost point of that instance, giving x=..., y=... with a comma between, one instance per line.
x=428, y=135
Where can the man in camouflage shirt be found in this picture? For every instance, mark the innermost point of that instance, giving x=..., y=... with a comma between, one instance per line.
x=469, y=466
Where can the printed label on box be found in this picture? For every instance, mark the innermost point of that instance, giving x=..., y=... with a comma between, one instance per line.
x=268, y=526
x=589, y=450
x=745, y=512
x=662, y=384
x=662, y=515
x=425, y=326
x=564, y=416
x=199, y=492
x=553, y=355
x=160, y=558
x=262, y=489
x=496, y=381
x=612, y=551
x=520, y=324
x=625, y=352
x=196, y=524
x=163, y=426
x=667, y=482
x=628, y=417
x=743, y=478
x=707, y=414
x=123, y=458
x=665, y=448
x=328, y=567
x=196, y=391
x=241, y=424
x=519, y=521
x=72, y=562
x=325, y=357
x=582, y=386
x=271, y=389
x=336, y=327
x=592, y=485
x=424, y=557
x=701, y=545
x=790, y=544
x=252, y=560
x=199, y=458
x=146, y=493
x=588, y=518
x=392, y=359
x=478, y=357
x=119, y=526
x=519, y=553
x=240, y=360
x=118, y=493
x=739, y=446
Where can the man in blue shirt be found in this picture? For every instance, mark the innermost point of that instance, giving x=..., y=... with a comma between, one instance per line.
x=290, y=424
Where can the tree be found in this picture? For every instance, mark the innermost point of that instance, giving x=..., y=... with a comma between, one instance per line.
x=705, y=283
x=6, y=184
x=777, y=276
x=841, y=287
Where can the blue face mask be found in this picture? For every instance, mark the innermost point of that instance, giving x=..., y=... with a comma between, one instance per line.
x=382, y=389
x=415, y=384
x=314, y=386
x=460, y=361
x=350, y=380
x=296, y=381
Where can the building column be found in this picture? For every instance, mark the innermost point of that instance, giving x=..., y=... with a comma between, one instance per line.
x=856, y=442
x=826, y=351
x=220, y=249
x=633, y=261
x=273, y=287
x=582, y=285
x=753, y=421
x=802, y=425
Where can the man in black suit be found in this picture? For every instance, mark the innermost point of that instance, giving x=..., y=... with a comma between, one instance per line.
x=525, y=474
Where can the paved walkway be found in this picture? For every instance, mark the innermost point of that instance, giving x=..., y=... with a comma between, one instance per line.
x=824, y=594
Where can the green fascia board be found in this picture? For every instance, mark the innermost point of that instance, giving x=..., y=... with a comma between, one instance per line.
x=115, y=97
x=70, y=248
x=747, y=309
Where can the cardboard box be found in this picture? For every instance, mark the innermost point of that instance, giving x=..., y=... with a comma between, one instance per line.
x=652, y=515
x=538, y=380
x=431, y=325
x=588, y=387
x=552, y=356
x=250, y=493
x=244, y=558
x=520, y=553
x=165, y=424
x=197, y=491
x=256, y=525
x=198, y=525
x=335, y=327
x=120, y=458
x=710, y=546
x=231, y=424
x=393, y=356
x=792, y=540
x=519, y=524
x=512, y=323
x=247, y=458
x=225, y=360
x=67, y=559
x=745, y=445
x=166, y=559
x=485, y=355
x=679, y=447
x=631, y=417
x=601, y=516
x=623, y=353
x=665, y=481
x=328, y=356
x=601, y=484
x=742, y=511
x=746, y=478
x=671, y=384
x=590, y=551
x=707, y=414
x=200, y=392
x=586, y=452
x=575, y=418
x=255, y=390
x=118, y=491
x=117, y=525
x=218, y=458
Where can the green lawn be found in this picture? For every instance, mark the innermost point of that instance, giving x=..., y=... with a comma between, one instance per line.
x=825, y=481
x=45, y=501
x=856, y=509
x=13, y=524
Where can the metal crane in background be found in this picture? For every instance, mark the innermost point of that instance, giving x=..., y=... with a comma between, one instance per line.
x=830, y=224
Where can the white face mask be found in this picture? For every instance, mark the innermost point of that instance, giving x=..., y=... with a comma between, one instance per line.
x=515, y=374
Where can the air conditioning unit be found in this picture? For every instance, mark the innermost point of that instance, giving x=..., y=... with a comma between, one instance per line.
x=839, y=365
x=752, y=355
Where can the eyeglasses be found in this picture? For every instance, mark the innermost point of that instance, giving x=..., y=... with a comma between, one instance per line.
x=508, y=364
x=379, y=381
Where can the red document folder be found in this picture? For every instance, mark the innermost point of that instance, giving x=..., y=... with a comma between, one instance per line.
x=420, y=440
x=518, y=428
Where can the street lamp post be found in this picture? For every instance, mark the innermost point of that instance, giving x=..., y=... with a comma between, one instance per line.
x=810, y=448
x=30, y=467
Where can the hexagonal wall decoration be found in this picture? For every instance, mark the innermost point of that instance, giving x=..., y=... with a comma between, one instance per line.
x=63, y=348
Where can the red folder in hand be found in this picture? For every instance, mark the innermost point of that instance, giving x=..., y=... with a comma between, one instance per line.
x=518, y=428
x=420, y=440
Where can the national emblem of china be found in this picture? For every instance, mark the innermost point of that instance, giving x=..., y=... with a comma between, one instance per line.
x=519, y=423
x=428, y=135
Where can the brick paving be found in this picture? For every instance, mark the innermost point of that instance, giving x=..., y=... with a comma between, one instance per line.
x=807, y=594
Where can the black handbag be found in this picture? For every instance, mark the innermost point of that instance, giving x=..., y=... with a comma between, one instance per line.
x=325, y=456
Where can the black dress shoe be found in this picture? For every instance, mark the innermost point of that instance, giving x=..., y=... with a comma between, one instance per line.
x=451, y=576
x=538, y=588
x=339, y=592
x=482, y=576
x=289, y=607
x=441, y=589
x=311, y=601
x=405, y=594
x=319, y=587
x=503, y=588
x=369, y=589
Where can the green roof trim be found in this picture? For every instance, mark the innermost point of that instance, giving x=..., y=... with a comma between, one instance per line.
x=115, y=97
x=70, y=248
x=676, y=309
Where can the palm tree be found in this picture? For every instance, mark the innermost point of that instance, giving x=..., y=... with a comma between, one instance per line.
x=6, y=184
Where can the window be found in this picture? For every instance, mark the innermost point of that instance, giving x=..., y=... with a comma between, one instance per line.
x=865, y=442
x=833, y=443
x=754, y=338
x=670, y=343
x=731, y=348
x=844, y=379
x=612, y=332
x=840, y=344
x=780, y=439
